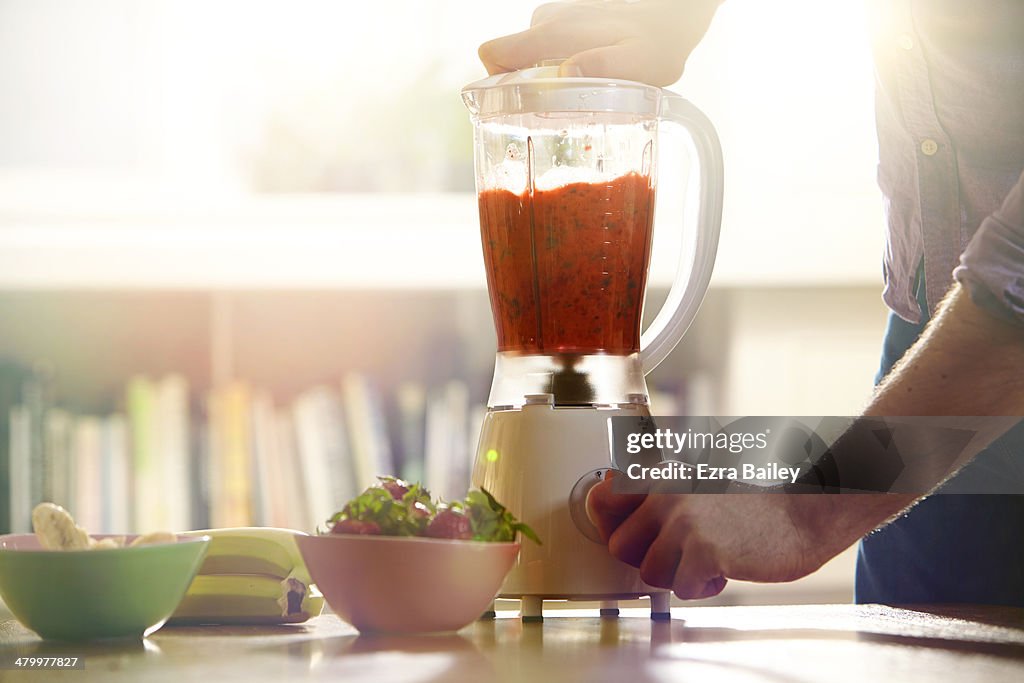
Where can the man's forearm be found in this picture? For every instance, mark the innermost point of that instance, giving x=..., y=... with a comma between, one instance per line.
x=967, y=363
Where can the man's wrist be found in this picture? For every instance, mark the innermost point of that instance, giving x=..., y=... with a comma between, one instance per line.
x=834, y=522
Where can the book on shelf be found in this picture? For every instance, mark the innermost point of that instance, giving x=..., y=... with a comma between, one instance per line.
x=230, y=456
x=447, y=453
x=19, y=468
x=36, y=398
x=328, y=475
x=116, y=474
x=88, y=482
x=158, y=424
x=60, y=468
x=409, y=420
x=12, y=375
x=171, y=444
x=277, y=490
x=289, y=487
x=199, y=482
x=140, y=399
x=367, y=429
x=263, y=459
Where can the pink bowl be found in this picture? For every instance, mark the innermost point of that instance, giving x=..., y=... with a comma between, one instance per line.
x=406, y=585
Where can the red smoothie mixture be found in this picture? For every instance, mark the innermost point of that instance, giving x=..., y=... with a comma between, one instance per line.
x=567, y=268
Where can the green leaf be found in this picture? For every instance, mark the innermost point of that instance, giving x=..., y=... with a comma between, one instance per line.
x=525, y=530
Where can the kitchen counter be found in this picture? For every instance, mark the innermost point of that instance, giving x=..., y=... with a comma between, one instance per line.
x=780, y=644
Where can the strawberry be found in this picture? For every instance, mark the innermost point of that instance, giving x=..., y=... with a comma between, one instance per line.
x=450, y=523
x=419, y=511
x=396, y=487
x=355, y=526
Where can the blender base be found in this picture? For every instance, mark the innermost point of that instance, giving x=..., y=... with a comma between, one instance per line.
x=543, y=461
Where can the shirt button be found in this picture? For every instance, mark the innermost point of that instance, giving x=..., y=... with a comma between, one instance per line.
x=929, y=147
x=905, y=41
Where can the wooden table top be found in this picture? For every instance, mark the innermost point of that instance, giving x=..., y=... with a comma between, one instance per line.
x=777, y=644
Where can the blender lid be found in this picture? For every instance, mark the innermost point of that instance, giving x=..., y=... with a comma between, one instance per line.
x=541, y=89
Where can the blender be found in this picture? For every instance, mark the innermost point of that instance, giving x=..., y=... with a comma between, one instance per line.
x=566, y=172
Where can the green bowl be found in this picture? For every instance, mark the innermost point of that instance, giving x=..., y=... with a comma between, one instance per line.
x=93, y=594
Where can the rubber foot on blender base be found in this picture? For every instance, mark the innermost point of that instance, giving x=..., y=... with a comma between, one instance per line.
x=489, y=615
x=609, y=611
x=531, y=610
x=661, y=604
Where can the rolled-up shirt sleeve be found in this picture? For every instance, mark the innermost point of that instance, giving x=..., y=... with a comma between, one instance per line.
x=992, y=266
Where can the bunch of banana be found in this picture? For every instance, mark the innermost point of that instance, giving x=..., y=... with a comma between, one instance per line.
x=251, y=575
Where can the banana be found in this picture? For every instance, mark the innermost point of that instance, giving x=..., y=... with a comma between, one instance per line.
x=246, y=599
x=151, y=538
x=250, y=575
x=252, y=550
x=56, y=529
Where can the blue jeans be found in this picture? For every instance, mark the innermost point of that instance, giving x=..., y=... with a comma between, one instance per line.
x=951, y=547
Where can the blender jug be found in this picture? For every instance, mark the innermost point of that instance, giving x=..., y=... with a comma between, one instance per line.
x=566, y=174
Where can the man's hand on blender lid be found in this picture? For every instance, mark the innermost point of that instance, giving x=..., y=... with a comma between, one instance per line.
x=639, y=40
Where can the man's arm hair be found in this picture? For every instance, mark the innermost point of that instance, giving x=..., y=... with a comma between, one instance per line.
x=967, y=362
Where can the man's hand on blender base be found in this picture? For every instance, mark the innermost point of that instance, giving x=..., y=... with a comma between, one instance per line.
x=639, y=40
x=693, y=543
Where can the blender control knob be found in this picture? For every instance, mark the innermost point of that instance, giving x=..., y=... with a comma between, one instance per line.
x=578, y=502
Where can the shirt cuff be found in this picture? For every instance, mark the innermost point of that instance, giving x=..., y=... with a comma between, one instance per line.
x=992, y=266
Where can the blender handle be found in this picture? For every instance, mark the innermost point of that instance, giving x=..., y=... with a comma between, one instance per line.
x=691, y=279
